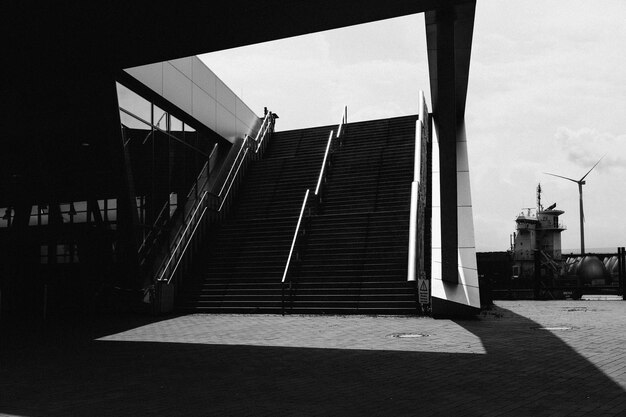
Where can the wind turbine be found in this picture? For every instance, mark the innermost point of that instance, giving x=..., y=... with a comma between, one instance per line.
x=580, y=183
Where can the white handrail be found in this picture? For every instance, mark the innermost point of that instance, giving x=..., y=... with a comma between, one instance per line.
x=181, y=237
x=233, y=166
x=344, y=120
x=195, y=184
x=264, y=125
x=186, y=245
x=295, y=235
x=243, y=158
x=319, y=180
x=194, y=220
x=414, y=248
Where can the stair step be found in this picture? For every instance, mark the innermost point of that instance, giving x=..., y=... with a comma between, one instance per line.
x=354, y=254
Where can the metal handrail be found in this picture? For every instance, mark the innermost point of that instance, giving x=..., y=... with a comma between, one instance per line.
x=194, y=187
x=193, y=232
x=193, y=190
x=329, y=149
x=323, y=169
x=205, y=168
x=149, y=235
x=325, y=163
x=291, y=251
x=265, y=125
x=295, y=235
x=180, y=240
x=233, y=165
x=194, y=220
x=223, y=199
x=344, y=120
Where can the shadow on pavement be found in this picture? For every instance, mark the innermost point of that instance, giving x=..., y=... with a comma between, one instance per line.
x=64, y=371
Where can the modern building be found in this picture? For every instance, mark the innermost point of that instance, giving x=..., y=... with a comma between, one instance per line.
x=122, y=151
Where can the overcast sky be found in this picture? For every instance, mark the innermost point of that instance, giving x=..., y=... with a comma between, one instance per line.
x=547, y=92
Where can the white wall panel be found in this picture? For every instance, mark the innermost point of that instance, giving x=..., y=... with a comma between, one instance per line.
x=225, y=96
x=177, y=88
x=461, y=294
x=247, y=116
x=466, y=292
x=226, y=123
x=465, y=233
x=204, y=106
x=150, y=75
x=184, y=65
x=467, y=258
x=204, y=77
x=195, y=89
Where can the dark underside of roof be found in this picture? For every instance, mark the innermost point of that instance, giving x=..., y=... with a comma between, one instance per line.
x=63, y=58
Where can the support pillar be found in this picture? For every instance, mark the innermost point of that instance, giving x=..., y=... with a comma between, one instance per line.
x=446, y=123
x=455, y=288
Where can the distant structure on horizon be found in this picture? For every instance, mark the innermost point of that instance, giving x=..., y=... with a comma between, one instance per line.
x=537, y=229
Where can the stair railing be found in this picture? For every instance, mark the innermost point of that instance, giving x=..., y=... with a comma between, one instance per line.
x=151, y=241
x=233, y=173
x=176, y=254
x=328, y=156
x=151, y=238
x=208, y=201
x=294, y=249
x=301, y=229
x=260, y=136
x=197, y=213
x=200, y=197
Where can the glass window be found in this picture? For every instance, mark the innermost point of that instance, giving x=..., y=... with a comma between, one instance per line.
x=160, y=118
x=80, y=211
x=134, y=103
x=34, y=216
x=111, y=213
x=175, y=124
x=173, y=203
x=43, y=215
x=63, y=254
x=4, y=212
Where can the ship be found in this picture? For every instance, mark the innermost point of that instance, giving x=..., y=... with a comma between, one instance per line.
x=536, y=243
x=537, y=238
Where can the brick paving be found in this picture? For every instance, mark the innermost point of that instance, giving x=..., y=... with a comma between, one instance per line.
x=522, y=358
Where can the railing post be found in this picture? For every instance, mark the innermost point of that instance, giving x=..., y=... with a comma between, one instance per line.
x=621, y=270
x=282, y=299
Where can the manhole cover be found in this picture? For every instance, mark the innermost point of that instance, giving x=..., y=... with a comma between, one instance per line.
x=556, y=328
x=407, y=335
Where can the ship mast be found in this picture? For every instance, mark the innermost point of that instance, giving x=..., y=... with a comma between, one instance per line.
x=539, y=207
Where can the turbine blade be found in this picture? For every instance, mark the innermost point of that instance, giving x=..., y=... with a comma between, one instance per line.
x=596, y=164
x=560, y=176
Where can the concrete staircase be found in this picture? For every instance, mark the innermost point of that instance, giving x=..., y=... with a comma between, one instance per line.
x=354, y=257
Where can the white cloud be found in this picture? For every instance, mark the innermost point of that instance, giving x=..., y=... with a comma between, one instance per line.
x=546, y=93
x=584, y=147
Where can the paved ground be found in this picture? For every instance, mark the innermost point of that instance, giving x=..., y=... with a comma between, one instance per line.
x=523, y=358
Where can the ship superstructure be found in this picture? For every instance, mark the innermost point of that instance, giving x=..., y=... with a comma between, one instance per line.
x=538, y=233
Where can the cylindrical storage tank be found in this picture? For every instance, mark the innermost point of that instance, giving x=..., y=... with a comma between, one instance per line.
x=591, y=270
x=612, y=265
